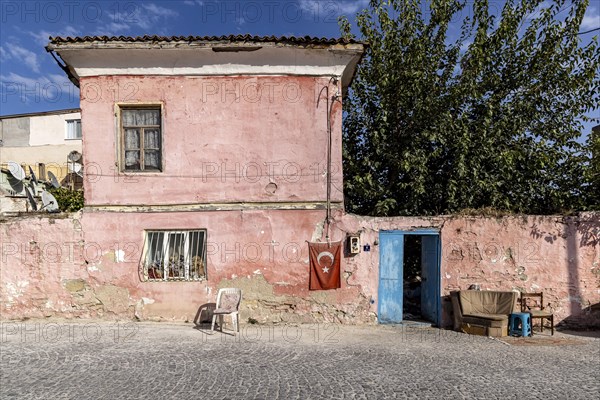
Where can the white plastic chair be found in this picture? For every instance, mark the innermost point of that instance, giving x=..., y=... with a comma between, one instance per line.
x=228, y=303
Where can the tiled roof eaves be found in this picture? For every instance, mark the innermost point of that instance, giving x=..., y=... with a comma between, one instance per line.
x=303, y=40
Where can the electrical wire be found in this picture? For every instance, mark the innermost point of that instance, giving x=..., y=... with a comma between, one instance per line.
x=591, y=30
x=329, y=110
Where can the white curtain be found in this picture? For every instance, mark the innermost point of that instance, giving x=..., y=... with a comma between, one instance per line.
x=132, y=159
x=132, y=139
x=151, y=147
x=151, y=139
x=132, y=145
x=135, y=122
x=151, y=159
x=141, y=117
x=74, y=129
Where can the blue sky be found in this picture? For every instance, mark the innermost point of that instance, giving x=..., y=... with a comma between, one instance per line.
x=30, y=80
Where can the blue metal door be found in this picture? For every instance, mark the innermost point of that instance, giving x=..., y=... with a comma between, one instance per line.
x=430, y=275
x=391, y=258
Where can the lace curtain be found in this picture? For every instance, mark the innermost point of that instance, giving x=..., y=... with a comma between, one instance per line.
x=152, y=148
x=132, y=145
x=136, y=124
x=141, y=117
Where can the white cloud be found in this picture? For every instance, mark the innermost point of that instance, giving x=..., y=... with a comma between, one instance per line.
x=352, y=7
x=4, y=54
x=41, y=37
x=591, y=19
x=42, y=88
x=49, y=79
x=114, y=27
x=144, y=16
x=340, y=7
x=193, y=2
x=158, y=11
x=27, y=57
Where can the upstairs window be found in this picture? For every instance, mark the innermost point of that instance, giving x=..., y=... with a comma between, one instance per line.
x=141, y=139
x=73, y=129
x=175, y=255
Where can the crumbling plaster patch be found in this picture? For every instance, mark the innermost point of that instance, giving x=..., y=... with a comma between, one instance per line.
x=261, y=303
x=51, y=275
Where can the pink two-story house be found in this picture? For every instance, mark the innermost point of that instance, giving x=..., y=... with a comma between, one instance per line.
x=209, y=162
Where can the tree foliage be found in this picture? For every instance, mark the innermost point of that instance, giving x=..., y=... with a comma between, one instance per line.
x=593, y=171
x=491, y=118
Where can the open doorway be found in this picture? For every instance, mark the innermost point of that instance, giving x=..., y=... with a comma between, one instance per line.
x=409, y=276
x=412, y=277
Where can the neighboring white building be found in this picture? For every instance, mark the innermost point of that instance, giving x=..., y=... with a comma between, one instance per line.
x=41, y=141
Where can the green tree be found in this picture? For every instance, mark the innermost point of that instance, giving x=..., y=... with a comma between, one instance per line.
x=491, y=119
x=593, y=170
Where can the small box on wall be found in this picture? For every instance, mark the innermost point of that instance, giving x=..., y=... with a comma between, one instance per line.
x=353, y=244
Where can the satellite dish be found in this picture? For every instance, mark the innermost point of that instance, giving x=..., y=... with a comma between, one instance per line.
x=50, y=203
x=16, y=170
x=16, y=186
x=31, y=199
x=74, y=156
x=53, y=180
x=8, y=184
x=76, y=168
x=32, y=176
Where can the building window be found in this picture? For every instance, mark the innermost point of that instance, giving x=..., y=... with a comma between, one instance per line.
x=141, y=139
x=74, y=129
x=175, y=255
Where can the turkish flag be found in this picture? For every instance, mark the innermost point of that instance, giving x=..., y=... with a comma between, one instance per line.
x=324, y=265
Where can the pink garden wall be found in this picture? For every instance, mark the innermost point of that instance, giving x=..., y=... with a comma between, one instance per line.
x=559, y=256
x=86, y=264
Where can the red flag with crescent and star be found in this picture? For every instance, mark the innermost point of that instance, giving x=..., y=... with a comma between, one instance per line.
x=324, y=265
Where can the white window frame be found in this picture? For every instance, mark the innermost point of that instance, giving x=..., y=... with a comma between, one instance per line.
x=76, y=123
x=160, y=267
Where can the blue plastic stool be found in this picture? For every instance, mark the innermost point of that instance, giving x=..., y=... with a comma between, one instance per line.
x=520, y=324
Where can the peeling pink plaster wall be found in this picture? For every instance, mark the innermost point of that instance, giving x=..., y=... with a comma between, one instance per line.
x=559, y=256
x=264, y=252
x=36, y=253
x=224, y=140
x=44, y=272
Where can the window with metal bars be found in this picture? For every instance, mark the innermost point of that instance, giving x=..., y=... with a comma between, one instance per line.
x=175, y=255
x=141, y=139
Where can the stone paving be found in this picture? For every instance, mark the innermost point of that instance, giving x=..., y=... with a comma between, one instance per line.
x=128, y=360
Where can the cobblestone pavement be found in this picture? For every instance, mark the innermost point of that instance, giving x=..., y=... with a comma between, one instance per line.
x=127, y=360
